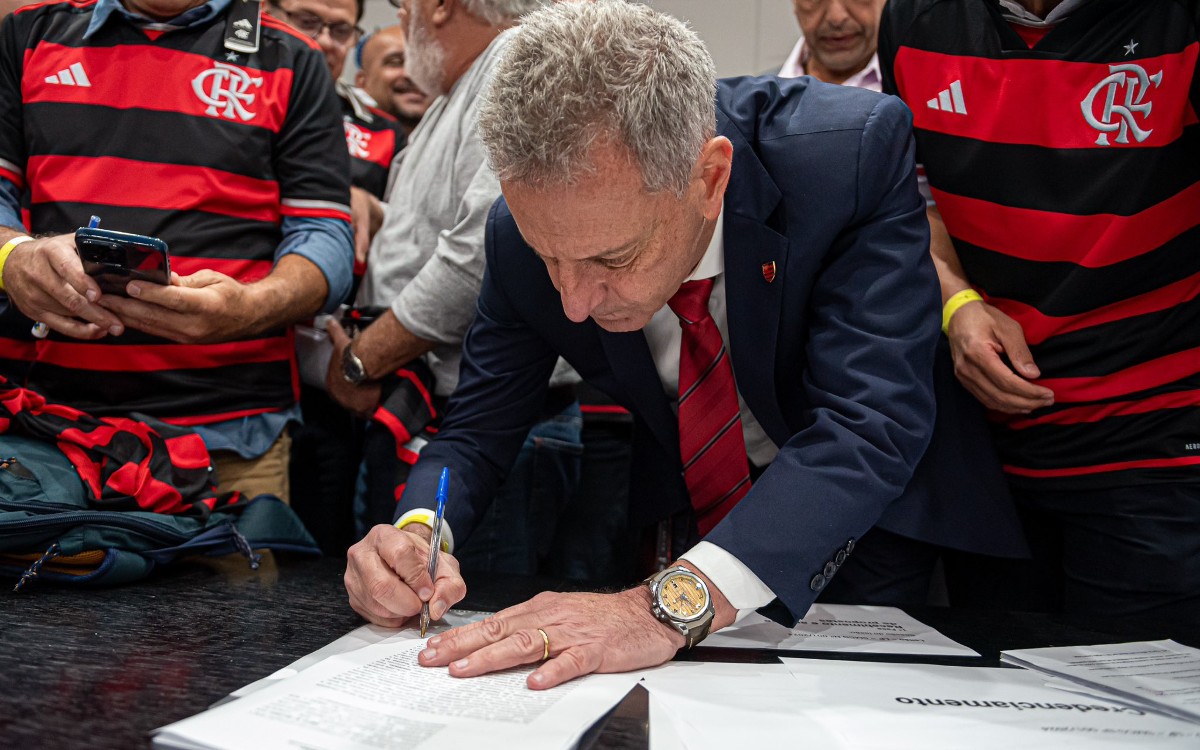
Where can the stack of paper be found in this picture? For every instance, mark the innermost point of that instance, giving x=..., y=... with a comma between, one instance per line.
x=841, y=628
x=1162, y=676
x=377, y=696
x=841, y=704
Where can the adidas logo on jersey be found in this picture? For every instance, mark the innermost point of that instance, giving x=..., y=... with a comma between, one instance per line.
x=73, y=75
x=949, y=100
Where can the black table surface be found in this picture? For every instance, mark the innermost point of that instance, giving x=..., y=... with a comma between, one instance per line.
x=101, y=668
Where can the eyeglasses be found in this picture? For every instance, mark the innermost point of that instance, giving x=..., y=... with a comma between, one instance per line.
x=306, y=23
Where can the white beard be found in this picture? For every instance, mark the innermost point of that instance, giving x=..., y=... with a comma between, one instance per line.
x=426, y=56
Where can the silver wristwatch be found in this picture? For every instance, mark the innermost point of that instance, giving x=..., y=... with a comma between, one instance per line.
x=679, y=598
x=352, y=367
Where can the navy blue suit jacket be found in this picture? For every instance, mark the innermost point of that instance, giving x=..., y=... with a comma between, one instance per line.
x=833, y=356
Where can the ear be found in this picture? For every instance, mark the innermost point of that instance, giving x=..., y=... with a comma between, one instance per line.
x=360, y=78
x=713, y=167
x=443, y=11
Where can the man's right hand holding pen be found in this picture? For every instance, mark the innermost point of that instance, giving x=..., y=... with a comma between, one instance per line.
x=387, y=576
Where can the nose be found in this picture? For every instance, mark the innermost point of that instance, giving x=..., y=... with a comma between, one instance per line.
x=836, y=13
x=325, y=39
x=581, y=291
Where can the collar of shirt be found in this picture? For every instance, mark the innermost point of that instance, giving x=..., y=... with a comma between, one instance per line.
x=351, y=95
x=1014, y=11
x=869, y=77
x=191, y=17
x=712, y=263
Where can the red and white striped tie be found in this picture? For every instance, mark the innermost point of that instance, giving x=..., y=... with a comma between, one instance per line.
x=711, y=444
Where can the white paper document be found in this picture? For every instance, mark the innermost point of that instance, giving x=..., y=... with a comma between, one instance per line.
x=1159, y=675
x=841, y=627
x=378, y=696
x=697, y=705
x=356, y=639
x=843, y=704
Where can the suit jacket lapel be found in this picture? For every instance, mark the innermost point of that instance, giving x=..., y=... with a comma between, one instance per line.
x=753, y=303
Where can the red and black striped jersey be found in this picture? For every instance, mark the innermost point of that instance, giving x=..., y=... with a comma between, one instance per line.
x=372, y=140
x=166, y=134
x=1068, y=176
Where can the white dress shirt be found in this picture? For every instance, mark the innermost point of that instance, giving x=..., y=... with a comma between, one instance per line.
x=744, y=590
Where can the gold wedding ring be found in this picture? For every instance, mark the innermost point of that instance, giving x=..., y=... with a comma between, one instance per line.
x=546, y=641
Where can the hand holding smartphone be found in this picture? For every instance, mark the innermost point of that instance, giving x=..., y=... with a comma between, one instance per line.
x=114, y=259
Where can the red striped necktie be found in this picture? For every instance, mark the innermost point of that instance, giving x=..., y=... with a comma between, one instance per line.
x=711, y=444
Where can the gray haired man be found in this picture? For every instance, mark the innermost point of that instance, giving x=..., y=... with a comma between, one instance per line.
x=765, y=259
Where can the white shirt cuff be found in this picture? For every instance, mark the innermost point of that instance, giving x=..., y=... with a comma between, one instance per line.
x=744, y=590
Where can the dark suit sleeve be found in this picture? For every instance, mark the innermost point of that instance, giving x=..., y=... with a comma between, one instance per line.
x=501, y=390
x=873, y=325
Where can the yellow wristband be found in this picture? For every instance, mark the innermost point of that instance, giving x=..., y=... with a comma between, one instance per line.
x=7, y=250
x=422, y=515
x=956, y=301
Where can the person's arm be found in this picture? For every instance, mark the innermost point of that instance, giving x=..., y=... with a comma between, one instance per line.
x=434, y=308
x=505, y=370
x=383, y=347
x=325, y=242
x=867, y=382
x=981, y=337
x=44, y=277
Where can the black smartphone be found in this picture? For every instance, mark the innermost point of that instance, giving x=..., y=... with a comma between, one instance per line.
x=114, y=259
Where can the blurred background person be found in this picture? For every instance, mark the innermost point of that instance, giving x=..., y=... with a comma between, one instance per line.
x=383, y=78
x=837, y=42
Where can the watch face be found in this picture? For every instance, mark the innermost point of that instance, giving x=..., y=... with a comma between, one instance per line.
x=352, y=367
x=683, y=596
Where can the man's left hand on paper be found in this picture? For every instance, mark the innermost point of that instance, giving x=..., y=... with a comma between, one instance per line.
x=587, y=633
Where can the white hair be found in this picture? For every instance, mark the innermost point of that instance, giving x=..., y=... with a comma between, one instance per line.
x=501, y=12
x=579, y=73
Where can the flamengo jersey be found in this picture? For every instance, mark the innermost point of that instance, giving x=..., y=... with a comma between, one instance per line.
x=1068, y=176
x=171, y=135
x=371, y=144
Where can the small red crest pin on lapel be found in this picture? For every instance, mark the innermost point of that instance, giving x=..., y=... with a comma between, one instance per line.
x=768, y=270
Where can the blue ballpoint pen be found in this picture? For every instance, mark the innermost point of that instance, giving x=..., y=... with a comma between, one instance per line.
x=435, y=543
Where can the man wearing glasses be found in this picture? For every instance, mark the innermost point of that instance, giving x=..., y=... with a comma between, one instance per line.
x=373, y=137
